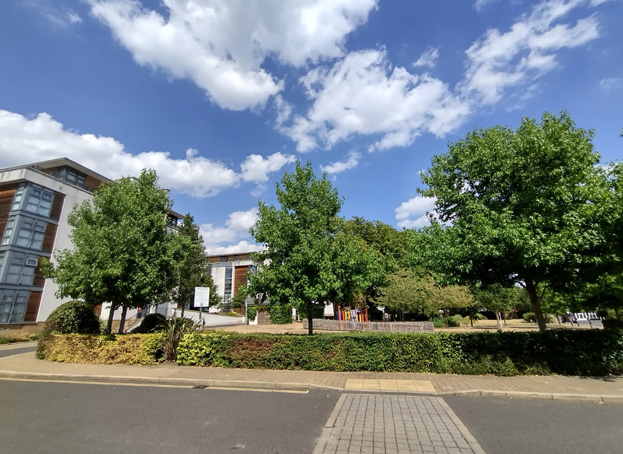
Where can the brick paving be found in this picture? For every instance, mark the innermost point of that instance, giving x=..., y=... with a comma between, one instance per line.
x=394, y=424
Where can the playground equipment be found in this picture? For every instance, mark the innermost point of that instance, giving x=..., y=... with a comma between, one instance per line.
x=358, y=312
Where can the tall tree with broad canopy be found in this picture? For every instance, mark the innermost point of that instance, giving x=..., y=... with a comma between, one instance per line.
x=193, y=269
x=308, y=259
x=515, y=207
x=122, y=252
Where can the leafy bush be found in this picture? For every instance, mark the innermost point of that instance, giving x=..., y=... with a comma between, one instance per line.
x=151, y=324
x=531, y=317
x=4, y=340
x=438, y=322
x=251, y=313
x=329, y=352
x=479, y=316
x=280, y=315
x=174, y=330
x=140, y=349
x=560, y=351
x=613, y=323
x=455, y=320
x=72, y=317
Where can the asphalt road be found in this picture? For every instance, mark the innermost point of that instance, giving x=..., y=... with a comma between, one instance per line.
x=508, y=426
x=16, y=351
x=43, y=417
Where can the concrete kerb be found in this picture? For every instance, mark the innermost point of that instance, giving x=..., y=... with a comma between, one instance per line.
x=535, y=395
x=156, y=381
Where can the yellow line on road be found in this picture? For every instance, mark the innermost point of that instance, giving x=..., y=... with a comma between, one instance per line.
x=226, y=388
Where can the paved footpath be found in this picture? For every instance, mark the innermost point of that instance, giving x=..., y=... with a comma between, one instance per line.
x=394, y=424
x=600, y=389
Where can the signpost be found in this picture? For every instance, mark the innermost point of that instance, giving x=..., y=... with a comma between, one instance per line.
x=202, y=299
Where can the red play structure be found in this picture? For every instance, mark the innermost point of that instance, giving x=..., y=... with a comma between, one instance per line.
x=358, y=312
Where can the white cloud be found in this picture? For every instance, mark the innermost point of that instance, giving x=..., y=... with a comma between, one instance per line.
x=240, y=247
x=337, y=167
x=42, y=138
x=428, y=58
x=479, y=5
x=221, y=44
x=414, y=212
x=236, y=229
x=499, y=60
x=57, y=16
x=363, y=94
x=256, y=168
x=611, y=83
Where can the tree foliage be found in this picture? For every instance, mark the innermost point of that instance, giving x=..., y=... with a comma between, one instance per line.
x=516, y=206
x=308, y=259
x=193, y=269
x=122, y=252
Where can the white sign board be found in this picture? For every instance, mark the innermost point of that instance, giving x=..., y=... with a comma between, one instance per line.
x=202, y=296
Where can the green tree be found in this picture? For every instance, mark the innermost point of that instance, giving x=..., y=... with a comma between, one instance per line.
x=515, y=207
x=193, y=269
x=407, y=292
x=122, y=252
x=499, y=299
x=383, y=237
x=308, y=260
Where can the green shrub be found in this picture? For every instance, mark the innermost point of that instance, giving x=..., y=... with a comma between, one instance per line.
x=613, y=323
x=560, y=351
x=252, y=313
x=140, y=349
x=329, y=352
x=72, y=317
x=150, y=324
x=455, y=320
x=479, y=316
x=438, y=322
x=174, y=331
x=4, y=340
x=280, y=315
x=531, y=317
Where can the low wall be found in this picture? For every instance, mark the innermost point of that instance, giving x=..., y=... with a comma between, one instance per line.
x=350, y=325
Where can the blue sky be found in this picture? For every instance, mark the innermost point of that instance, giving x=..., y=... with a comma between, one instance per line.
x=221, y=97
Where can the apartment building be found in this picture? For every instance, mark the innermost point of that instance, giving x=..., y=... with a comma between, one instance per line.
x=229, y=273
x=35, y=200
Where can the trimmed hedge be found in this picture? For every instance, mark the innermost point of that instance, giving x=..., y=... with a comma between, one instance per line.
x=280, y=315
x=143, y=349
x=393, y=352
x=567, y=352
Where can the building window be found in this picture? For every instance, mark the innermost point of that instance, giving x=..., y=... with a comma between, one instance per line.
x=224, y=259
x=30, y=232
x=71, y=176
x=13, y=305
x=229, y=272
x=21, y=268
x=235, y=258
x=33, y=198
x=8, y=230
x=39, y=200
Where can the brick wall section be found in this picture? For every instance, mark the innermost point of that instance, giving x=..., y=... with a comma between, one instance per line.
x=33, y=307
x=57, y=206
x=7, y=194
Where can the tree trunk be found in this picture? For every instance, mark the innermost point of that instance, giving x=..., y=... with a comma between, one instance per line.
x=535, y=304
x=498, y=317
x=122, y=322
x=110, y=317
x=310, y=323
x=183, y=307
